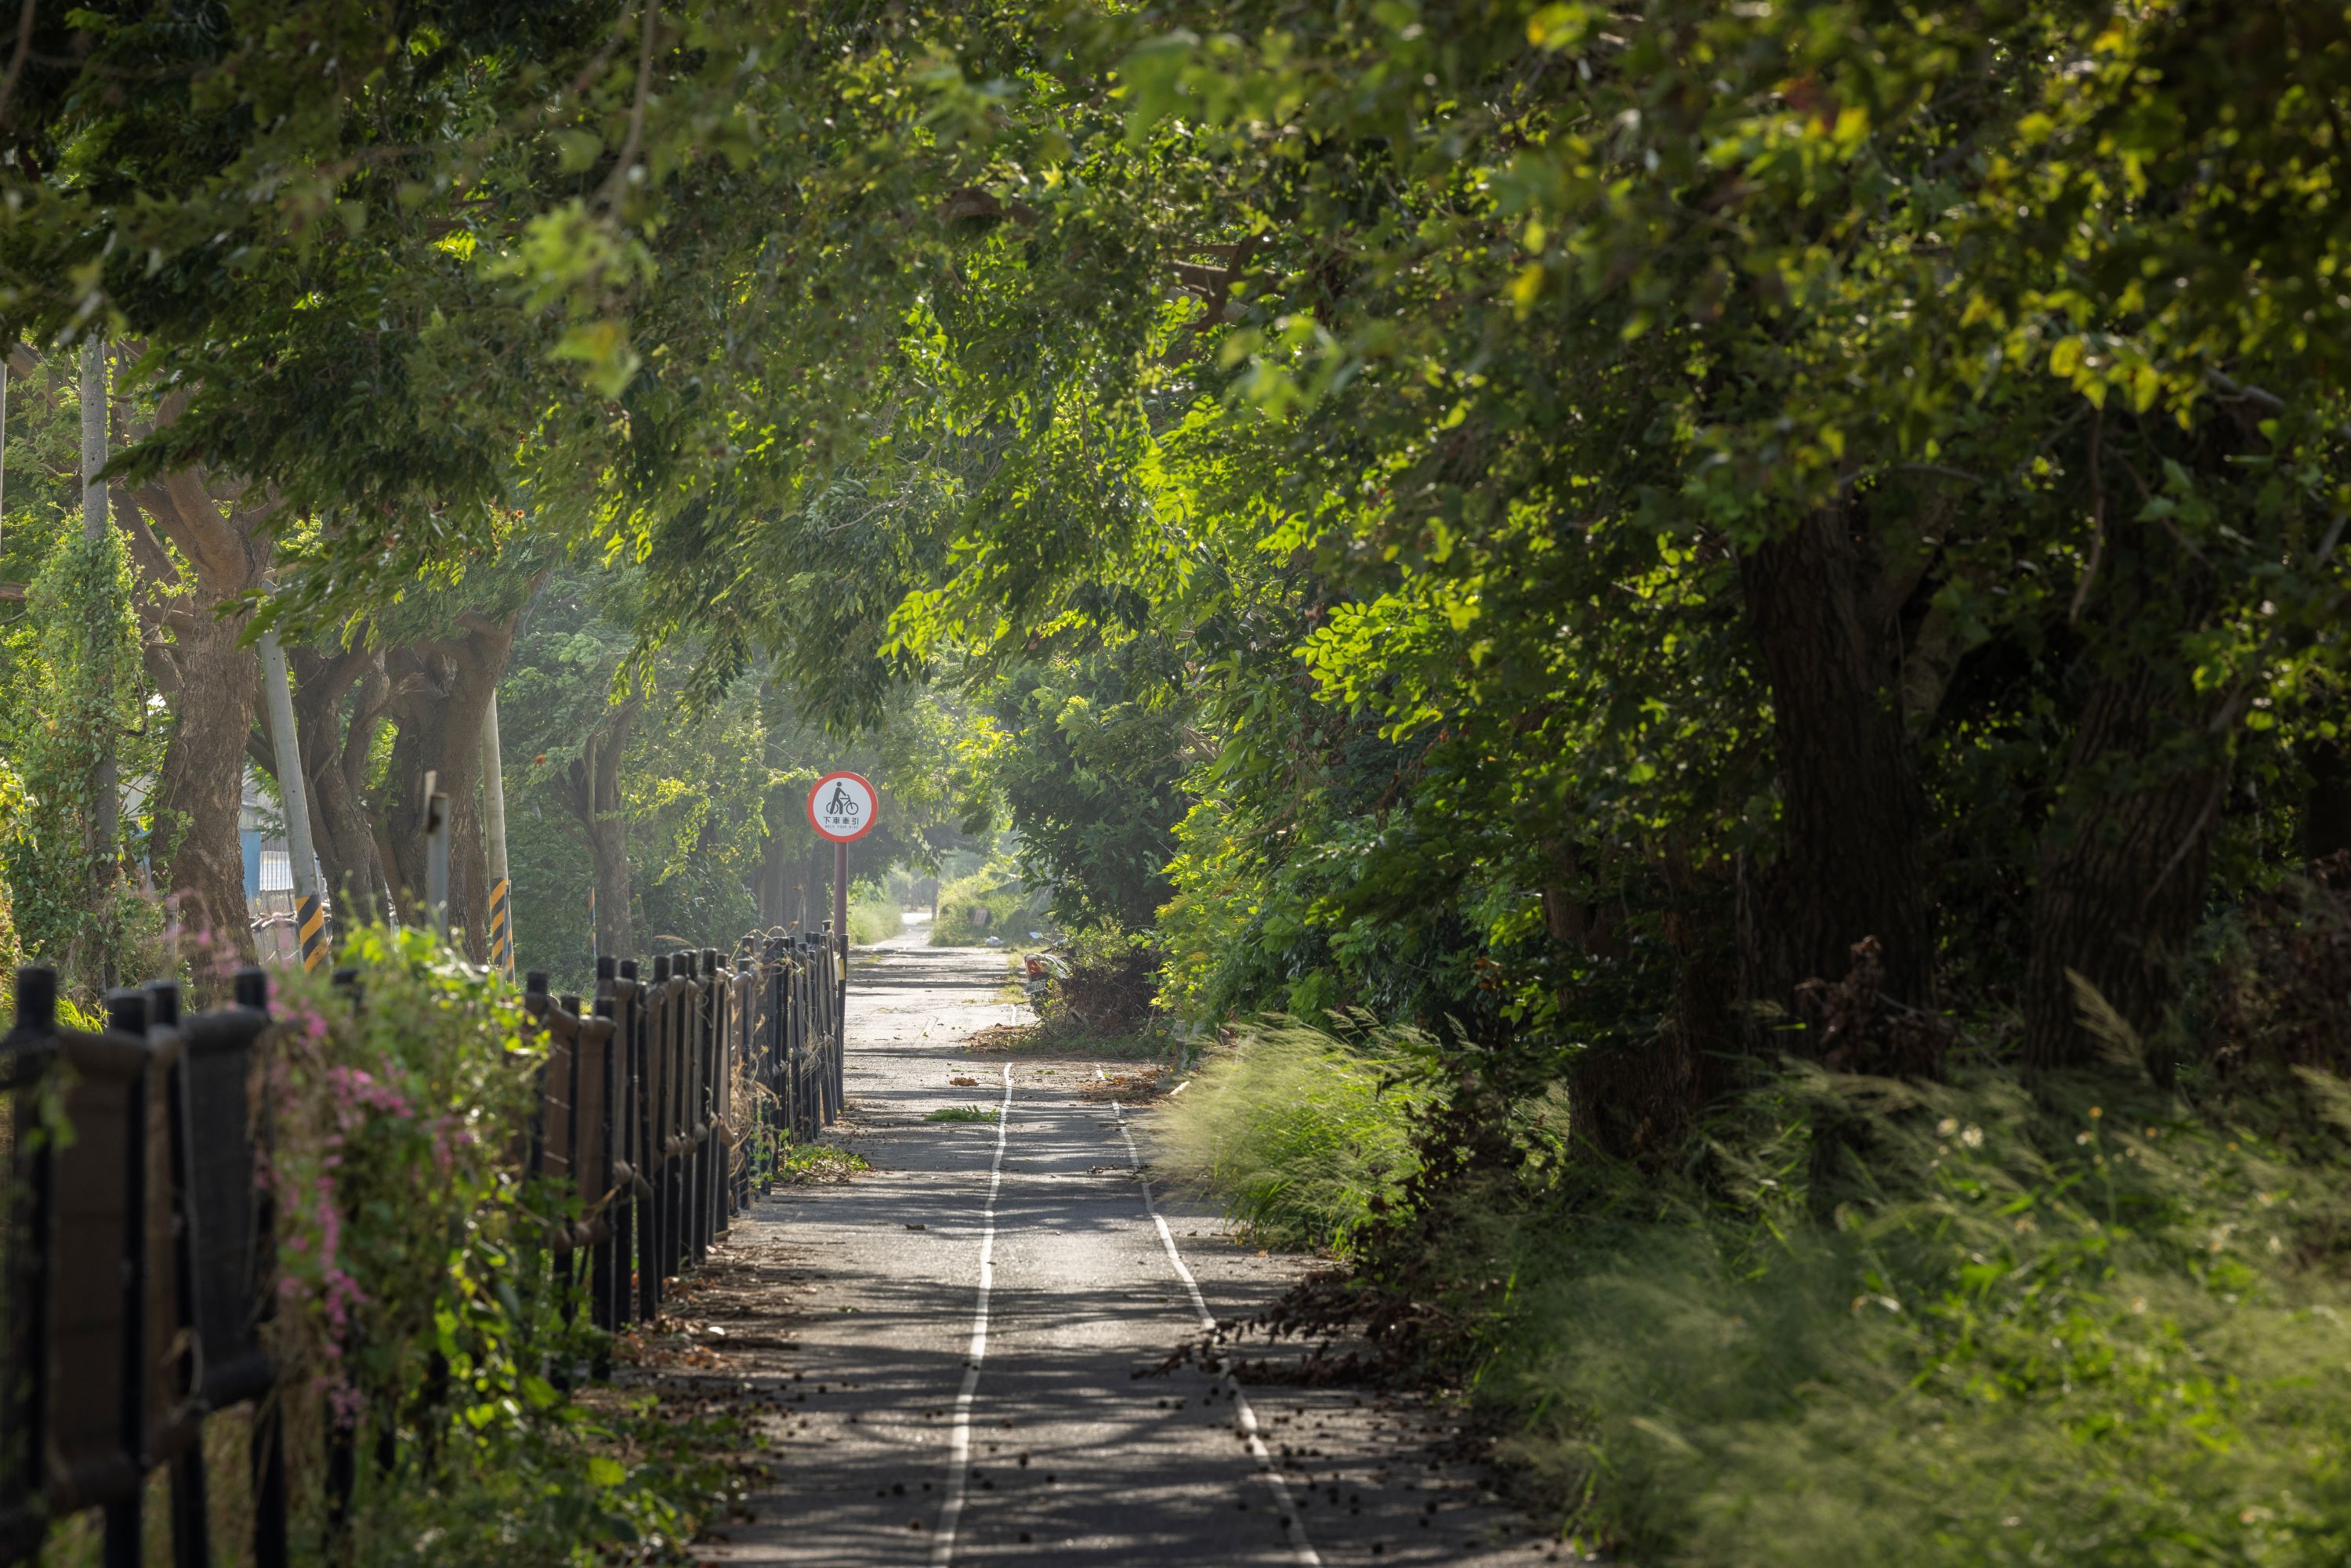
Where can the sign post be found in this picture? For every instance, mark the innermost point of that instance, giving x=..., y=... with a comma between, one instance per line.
x=841, y=807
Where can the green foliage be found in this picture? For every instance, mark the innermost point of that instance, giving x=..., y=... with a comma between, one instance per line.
x=712, y=782
x=2082, y=1334
x=963, y=1114
x=818, y=1164
x=81, y=693
x=1090, y=773
x=1954, y=1324
x=874, y=919
x=1012, y=909
x=416, y=1295
x=1306, y=1138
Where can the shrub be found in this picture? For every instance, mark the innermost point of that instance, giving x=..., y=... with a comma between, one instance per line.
x=417, y=1305
x=1305, y=1136
x=874, y=919
x=1109, y=992
x=1011, y=910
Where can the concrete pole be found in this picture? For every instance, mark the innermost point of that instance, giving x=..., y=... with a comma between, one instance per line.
x=588, y=762
x=494, y=829
x=94, y=524
x=294, y=790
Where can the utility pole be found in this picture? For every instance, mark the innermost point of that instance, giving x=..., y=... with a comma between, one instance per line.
x=493, y=828
x=105, y=805
x=588, y=763
x=294, y=792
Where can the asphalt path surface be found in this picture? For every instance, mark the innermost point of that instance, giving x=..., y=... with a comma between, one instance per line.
x=942, y=1355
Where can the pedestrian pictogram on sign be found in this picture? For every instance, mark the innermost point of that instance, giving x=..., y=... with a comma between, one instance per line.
x=841, y=807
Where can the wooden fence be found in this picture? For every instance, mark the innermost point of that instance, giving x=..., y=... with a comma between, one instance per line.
x=138, y=1250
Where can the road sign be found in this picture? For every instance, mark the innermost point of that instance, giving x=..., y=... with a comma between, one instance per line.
x=841, y=807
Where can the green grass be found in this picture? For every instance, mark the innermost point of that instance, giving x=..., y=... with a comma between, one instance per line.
x=963, y=1114
x=872, y=920
x=1299, y=1132
x=817, y=1165
x=1951, y=1325
x=1012, y=911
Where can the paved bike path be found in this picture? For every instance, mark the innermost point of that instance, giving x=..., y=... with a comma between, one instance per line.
x=845, y=1318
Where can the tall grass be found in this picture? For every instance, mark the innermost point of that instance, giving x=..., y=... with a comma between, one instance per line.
x=1865, y=1323
x=1301, y=1134
x=872, y=920
x=992, y=901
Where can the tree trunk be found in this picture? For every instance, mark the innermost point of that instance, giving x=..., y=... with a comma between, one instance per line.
x=199, y=854
x=2122, y=862
x=775, y=873
x=441, y=697
x=590, y=791
x=1850, y=864
x=335, y=749
x=197, y=850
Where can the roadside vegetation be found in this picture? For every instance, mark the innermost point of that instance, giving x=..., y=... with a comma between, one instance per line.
x=420, y=1323
x=873, y=917
x=1738, y=609
x=994, y=902
x=1976, y=1319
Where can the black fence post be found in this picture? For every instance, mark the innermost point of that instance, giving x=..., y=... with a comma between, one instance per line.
x=605, y=1177
x=239, y=1368
x=180, y=1428
x=27, y=1053
x=636, y=1205
x=126, y=1023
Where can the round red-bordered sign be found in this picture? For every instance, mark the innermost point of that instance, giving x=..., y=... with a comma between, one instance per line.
x=841, y=807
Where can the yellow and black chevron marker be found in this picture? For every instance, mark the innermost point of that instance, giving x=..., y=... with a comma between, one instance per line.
x=501, y=943
x=310, y=929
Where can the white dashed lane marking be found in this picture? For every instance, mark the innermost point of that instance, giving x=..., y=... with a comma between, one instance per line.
x=1292, y=1526
x=943, y=1539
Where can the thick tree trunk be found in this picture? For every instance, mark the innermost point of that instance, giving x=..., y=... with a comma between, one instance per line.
x=775, y=873
x=2123, y=861
x=199, y=855
x=335, y=747
x=1850, y=865
x=590, y=791
x=2326, y=809
x=198, y=852
x=441, y=697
